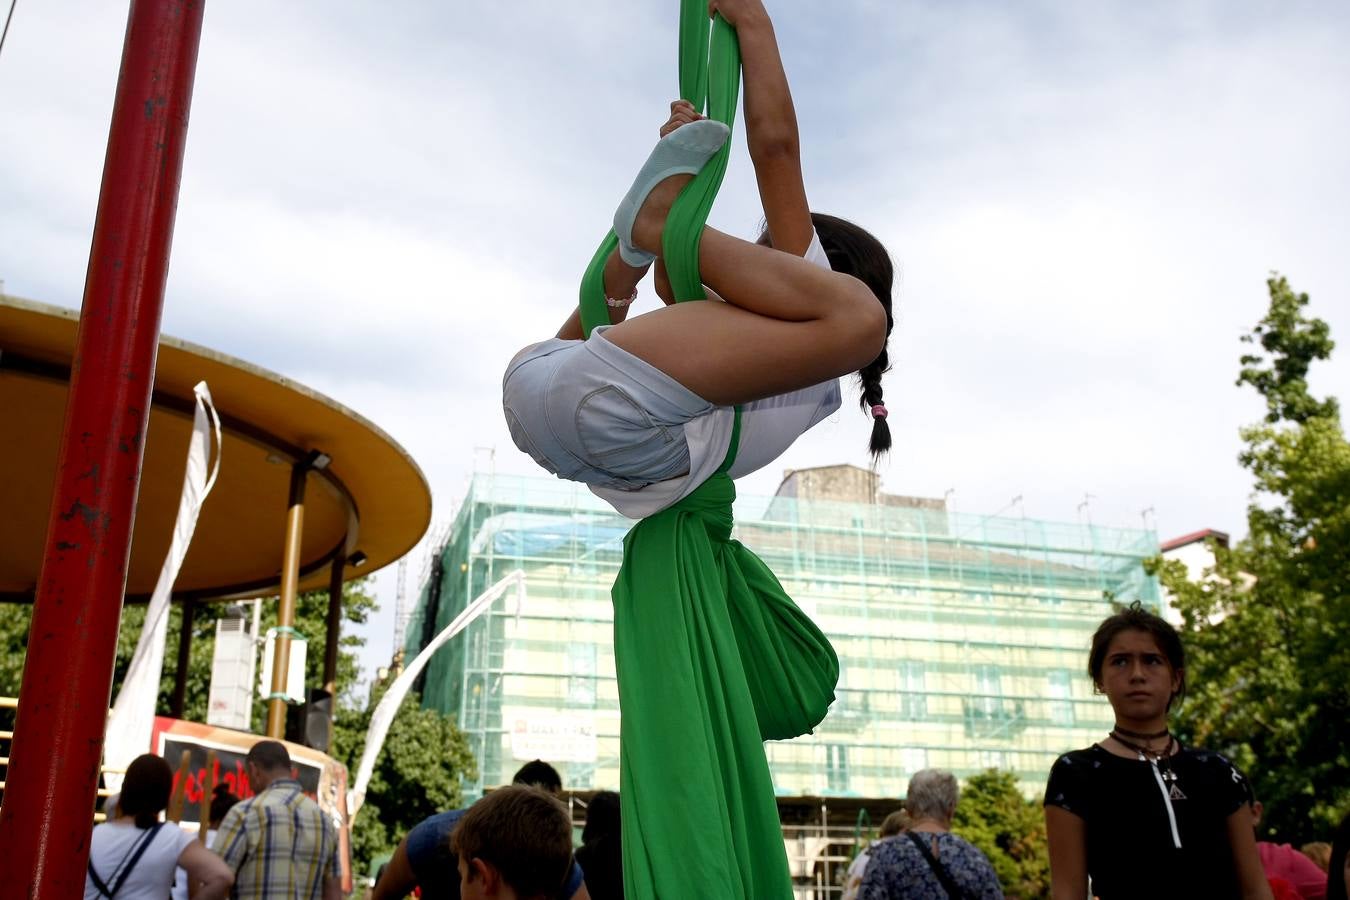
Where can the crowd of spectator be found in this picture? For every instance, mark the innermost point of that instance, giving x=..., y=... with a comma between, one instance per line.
x=1135, y=815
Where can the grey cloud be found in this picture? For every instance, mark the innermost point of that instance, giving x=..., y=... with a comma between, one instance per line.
x=386, y=201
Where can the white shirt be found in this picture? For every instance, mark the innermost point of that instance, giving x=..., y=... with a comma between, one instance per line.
x=180, y=878
x=110, y=849
x=768, y=428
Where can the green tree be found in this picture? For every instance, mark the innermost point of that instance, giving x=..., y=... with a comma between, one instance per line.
x=14, y=619
x=1267, y=630
x=1009, y=829
x=417, y=773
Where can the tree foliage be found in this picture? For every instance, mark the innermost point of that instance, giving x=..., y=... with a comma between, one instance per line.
x=417, y=773
x=14, y=619
x=1009, y=829
x=1267, y=630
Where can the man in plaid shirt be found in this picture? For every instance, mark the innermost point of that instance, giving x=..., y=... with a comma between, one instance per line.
x=279, y=843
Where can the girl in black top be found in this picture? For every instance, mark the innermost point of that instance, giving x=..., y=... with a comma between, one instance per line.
x=1139, y=814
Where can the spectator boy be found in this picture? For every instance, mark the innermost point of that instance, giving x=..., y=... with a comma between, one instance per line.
x=423, y=858
x=514, y=844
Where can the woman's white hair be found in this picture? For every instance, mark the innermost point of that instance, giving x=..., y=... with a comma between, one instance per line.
x=932, y=793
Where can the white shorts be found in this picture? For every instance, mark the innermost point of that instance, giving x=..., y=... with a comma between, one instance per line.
x=592, y=412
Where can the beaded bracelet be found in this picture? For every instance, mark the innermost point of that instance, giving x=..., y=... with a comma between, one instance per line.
x=621, y=303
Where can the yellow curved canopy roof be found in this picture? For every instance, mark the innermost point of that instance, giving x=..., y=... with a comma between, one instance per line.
x=372, y=501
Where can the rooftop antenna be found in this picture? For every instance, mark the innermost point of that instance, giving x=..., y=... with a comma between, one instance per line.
x=1085, y=509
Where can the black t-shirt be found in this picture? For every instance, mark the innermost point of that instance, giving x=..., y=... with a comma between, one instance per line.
x=1131, y=849
x=602, y=861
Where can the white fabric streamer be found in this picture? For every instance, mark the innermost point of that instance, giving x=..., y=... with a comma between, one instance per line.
x=133, y=715
x=383, y=716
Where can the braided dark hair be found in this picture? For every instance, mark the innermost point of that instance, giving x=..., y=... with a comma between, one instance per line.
x=855, y=251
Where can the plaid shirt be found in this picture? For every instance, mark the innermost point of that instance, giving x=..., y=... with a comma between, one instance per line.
x=280, y=845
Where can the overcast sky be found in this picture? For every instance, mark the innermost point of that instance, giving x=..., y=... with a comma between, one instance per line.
x=386, y=200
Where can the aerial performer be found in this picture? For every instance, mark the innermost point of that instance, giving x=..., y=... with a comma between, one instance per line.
x=658, y=413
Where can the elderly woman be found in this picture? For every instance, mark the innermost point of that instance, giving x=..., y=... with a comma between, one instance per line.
x=929, y=861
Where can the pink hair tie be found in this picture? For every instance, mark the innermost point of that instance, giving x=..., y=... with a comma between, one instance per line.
x=879, y=411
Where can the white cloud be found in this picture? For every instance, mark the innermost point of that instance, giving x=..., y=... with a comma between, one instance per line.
x=385, y=203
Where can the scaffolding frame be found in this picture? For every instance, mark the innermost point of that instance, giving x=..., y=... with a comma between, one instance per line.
x=962, y=638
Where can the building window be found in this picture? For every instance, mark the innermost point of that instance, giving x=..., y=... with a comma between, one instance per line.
x=913, y=759
x=987, y=713
x=473, y=712
x=581, y=675
x=836, y=767
x=1061, y=704
x=988, y=690
x=992, y=759
x=913, y=694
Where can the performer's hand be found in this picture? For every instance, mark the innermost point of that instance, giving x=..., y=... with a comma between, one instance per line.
x=682, y=112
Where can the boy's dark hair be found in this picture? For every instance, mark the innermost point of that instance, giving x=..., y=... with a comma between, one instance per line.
x=537, y=773
x=270, y=756
x=146, y=789
x=1135, y=618
x=855, y=251
x=524, y=833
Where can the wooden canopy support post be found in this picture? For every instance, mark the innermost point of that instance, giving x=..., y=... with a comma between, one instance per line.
x=290, y=582
x=63, y=700
x=330, y=647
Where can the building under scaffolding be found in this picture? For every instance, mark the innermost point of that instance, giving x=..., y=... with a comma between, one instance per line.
x=962, y=638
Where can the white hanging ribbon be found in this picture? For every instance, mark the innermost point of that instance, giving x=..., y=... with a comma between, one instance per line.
x=383, y=716
x=133, y=715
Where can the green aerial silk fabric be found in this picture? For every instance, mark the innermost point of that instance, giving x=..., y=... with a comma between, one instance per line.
x=710, y=76
x=712, y=658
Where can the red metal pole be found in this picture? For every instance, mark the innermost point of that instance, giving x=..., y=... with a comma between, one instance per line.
x=67, y=678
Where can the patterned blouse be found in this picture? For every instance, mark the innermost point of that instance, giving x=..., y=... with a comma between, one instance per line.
x=898, y=871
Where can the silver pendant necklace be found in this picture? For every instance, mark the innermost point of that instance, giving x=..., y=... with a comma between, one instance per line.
x=1160, y=758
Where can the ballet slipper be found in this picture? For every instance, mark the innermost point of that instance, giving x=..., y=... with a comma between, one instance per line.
x=682, y=152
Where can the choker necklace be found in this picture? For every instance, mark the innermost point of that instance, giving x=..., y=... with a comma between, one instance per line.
x=1141, y=735
x=1160, y=758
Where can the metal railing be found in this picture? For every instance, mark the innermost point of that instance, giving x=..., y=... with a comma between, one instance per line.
x=12, y=703
x=818, y=857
